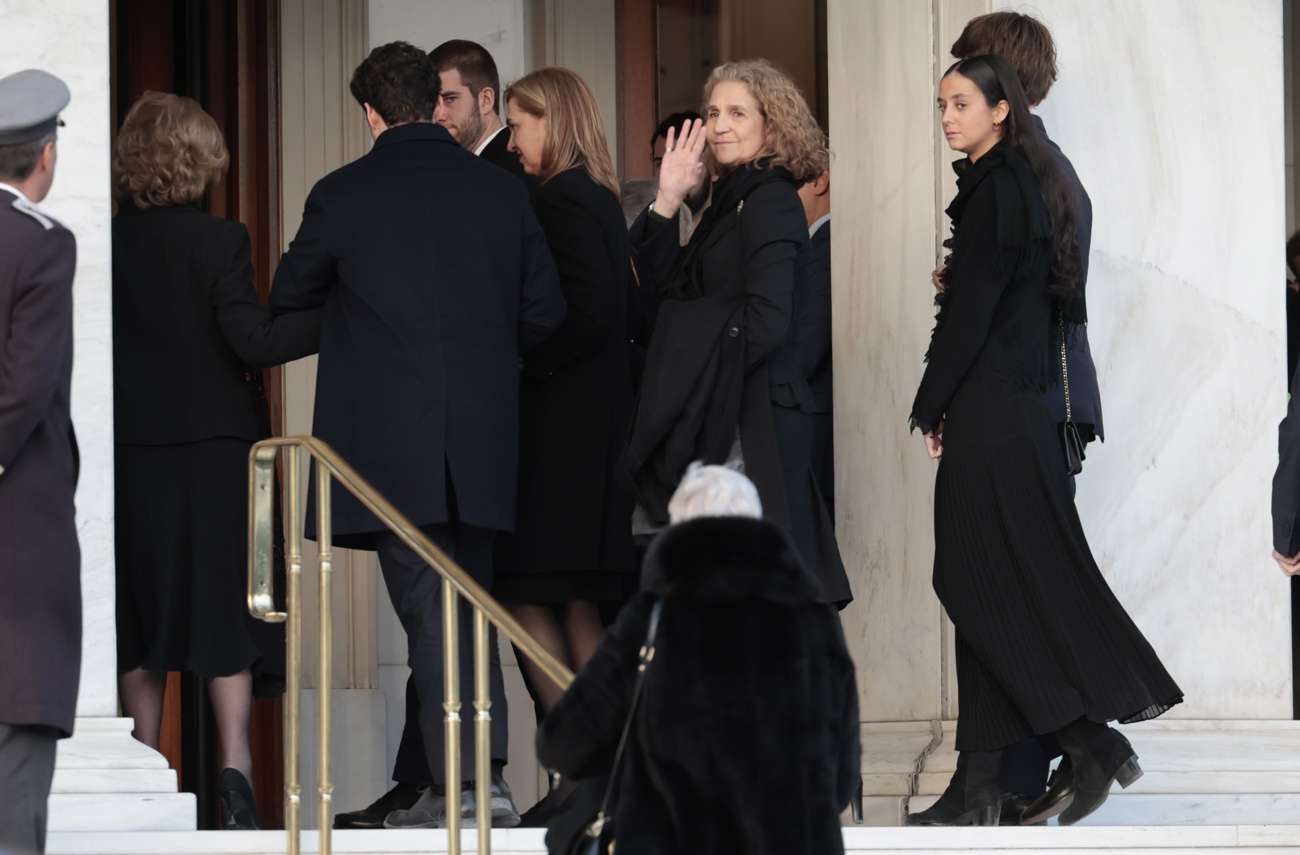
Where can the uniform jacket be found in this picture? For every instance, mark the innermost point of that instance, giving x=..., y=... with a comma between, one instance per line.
x=746, y=738
x=40, y=609
x=435, y=278
x=187, y=325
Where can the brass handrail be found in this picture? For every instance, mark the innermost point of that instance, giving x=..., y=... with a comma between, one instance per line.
x=331, y=467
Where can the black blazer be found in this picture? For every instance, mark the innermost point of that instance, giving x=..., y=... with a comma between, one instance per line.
x=435, y=278
x=187, y=324
x=1286, y=480
x=497, y=153
x=40, y=573
x=1085, y=395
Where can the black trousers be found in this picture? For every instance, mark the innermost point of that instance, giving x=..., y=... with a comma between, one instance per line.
x=26, y=770
x=416, y=592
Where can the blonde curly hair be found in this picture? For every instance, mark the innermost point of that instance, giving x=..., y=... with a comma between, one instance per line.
x=168, y=152
x=792, y=137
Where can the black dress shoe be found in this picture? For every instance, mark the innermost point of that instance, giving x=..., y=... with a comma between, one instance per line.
x=400, y=797
x=1060, y=792
x=238, y=806
x=1013, y=809
x=1098, y=757
x=973, y=796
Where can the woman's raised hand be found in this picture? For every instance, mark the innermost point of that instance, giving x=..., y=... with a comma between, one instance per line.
x=681, y=171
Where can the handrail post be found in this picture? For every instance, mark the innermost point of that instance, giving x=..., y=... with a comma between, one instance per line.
x=293, y=642
x=482, y=733
x=451, y=704
x=326, y=680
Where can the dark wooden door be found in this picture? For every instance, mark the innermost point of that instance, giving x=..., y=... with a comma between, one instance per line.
x=225, y=55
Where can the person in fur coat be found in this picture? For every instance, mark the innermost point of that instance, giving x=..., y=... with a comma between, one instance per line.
x=746, y=738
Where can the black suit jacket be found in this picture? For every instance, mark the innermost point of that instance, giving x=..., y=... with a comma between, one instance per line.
x=1286, y=480
x=40, y=572
x=187, y=324
x=497, y=153
x=435, y=278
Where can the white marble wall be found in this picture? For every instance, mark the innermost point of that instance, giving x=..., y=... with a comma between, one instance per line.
x=1171, y=113
x=498, y=25
x=81, y=200
x=1170, y=110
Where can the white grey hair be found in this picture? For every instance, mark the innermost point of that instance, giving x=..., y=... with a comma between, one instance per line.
x=714, y=491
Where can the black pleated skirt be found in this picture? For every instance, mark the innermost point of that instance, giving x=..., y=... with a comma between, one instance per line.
x=182, y=564
x=1041, y=638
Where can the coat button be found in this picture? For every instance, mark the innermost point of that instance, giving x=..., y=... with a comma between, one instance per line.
x=733, y=332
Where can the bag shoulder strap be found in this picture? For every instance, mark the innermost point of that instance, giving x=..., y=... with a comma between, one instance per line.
x=646, y=655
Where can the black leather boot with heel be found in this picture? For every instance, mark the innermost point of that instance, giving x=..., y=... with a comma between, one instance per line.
x=973, y=796
x=1099, y=756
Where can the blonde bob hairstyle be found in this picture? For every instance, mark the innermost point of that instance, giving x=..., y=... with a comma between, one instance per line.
x=168, y=152
x=575, y=132
x=791, y=136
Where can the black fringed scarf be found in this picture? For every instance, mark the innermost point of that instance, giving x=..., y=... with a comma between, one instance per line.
x=1024, y=224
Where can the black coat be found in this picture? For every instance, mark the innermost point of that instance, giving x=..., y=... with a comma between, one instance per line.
x=722, y=358
x=1085, y=395
x=741, y=265
x=576, y=394
x=435, y=278
x=187, y=324
x=40, y=574
x=1286, y=480
x=746, y=739
x=813, y=349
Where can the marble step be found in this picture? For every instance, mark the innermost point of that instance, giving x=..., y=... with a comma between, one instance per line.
x=1138, y=840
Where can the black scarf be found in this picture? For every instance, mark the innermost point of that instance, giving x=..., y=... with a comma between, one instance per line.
x=728, y=193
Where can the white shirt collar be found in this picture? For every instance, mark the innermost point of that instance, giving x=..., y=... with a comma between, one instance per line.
x=14, y=190
x=491, y=137
x=817, y=224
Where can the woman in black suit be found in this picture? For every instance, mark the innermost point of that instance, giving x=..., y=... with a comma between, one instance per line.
x=722, y=379
x=188, y=337
x=572, y=545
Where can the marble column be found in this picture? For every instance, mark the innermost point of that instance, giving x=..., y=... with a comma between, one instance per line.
x=104, y=779
x=1170, y=112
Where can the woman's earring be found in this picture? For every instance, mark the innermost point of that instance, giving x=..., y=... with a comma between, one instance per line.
x=997, y=126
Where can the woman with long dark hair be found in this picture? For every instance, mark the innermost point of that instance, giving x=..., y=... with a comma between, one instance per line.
x=1043, y=646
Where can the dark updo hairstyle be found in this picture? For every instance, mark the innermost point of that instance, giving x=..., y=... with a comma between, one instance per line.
x=997, y=79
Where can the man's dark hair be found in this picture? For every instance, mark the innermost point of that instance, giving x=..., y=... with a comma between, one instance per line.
x=477, y=69
x=17, y=162
x=676, y=120
x=1023, y=41
x=398, y=82
x=1292, y=250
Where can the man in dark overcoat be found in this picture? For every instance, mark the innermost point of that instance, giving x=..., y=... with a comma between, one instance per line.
x=468, y=106
x=435, y=279
x=40, y=560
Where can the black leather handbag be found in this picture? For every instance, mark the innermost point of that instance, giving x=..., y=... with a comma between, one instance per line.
x=597, y=837
x=1071, y=443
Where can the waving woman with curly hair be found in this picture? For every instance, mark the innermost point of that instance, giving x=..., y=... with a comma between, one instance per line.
x=723, y=381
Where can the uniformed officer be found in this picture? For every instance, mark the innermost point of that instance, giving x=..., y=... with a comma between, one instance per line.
x=40, y=561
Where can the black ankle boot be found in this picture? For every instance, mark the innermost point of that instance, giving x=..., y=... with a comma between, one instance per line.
x=973, y=796
x=238, y=806
x=1098, y=757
